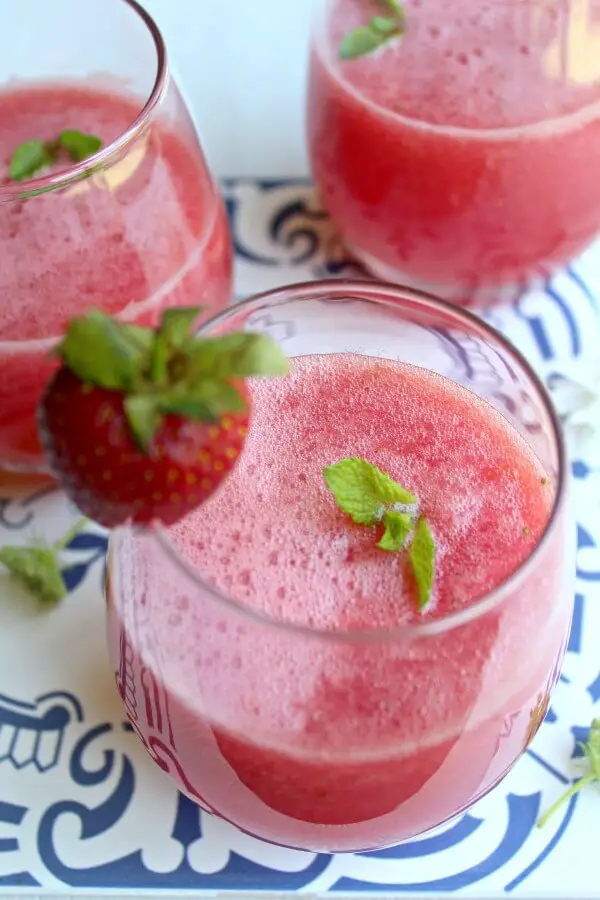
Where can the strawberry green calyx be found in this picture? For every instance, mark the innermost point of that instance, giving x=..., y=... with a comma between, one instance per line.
x=167, y=371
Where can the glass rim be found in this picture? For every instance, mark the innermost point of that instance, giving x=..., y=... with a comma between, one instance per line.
x=24, y=190
x=387, y=296
x=537, y=129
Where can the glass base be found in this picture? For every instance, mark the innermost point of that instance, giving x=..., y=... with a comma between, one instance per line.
x=318, y=848
x=467, y=295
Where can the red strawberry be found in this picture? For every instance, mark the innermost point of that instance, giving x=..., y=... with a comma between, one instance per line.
x=141, y=425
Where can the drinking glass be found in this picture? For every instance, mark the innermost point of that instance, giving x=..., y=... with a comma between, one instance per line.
x=358, y=737
x=454, y=158
x=134, y=228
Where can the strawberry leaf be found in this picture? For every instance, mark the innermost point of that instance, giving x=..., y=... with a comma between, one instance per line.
x=239, y=354
x=104, y=352
x=159, y=360
x=188, y=407
x=38, y=570
x=172, y=335
x=176, y=324
x=168, y=371
x=144, y=418
x=206, y=401
x=398, y=526
x=221, y=396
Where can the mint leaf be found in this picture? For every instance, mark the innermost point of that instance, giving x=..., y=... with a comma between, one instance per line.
x=28, y=159
x=38, y=570
x=104, y=352
x=394, y=7
x=398, y=526
x=379, y=31
x=422, y=559
x=369, y=496
x=239, y=354
x=79, y=145
x=34, y=155
x=364, y=491
x=359, y=42
x=591, y=751
x=383, y=25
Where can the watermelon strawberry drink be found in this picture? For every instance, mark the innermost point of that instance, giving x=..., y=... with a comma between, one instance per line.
x=455, y=156
x=324, y=709
x=147, y=232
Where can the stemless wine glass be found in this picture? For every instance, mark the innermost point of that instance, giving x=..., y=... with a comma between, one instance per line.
x=454, y=157
x=134, y=228
x=363, y=733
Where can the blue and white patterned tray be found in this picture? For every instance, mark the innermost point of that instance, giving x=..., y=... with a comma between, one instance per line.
x=83, y=809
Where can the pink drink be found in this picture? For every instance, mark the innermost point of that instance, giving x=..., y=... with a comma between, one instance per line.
x=458, y=158
x=338, y=745
x=147, y=233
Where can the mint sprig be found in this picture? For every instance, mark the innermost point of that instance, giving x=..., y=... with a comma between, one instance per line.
x=168, y=370
x=591, y=752
x=370, y=497
x=38, y=568
x=398, y=526
x=379, y=31
x=33, y=156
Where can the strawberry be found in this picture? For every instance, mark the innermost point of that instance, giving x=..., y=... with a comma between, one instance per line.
x=141, y=425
